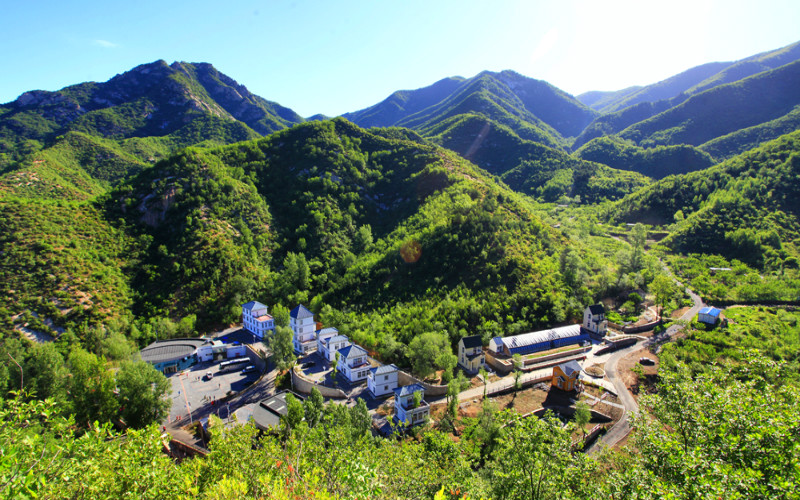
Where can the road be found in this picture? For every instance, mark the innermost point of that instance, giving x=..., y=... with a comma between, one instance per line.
x=622, y=427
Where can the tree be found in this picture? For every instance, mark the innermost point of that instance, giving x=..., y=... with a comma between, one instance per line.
x=582, y=416
x=280, y=315
x=360, y=419
x=453, y=389
x=726, y=433
x=45, y=371
x=91, y=388
x=335, y=368
x=517, y=360
x=143, y=394
x=426, y=350
x=313, y=407
x=637, y=238
x=294, y=413
x=446, y=361
x=664, y=290
x=282, y=348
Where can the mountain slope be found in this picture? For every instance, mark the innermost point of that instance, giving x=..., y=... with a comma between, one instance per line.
x=657, y=162
x=722, y=110
x=530, y=167
x=188, y=103
x=532, y=108
x=744, y=208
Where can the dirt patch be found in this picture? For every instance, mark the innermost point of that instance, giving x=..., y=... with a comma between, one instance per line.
x=649, y=373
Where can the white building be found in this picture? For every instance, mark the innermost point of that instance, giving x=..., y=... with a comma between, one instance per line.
x=304, y=338
x=594, y=319
x=256, y=320
x=382, y=380
x=353, y=363
x=323, y=335
x=332, y=344
x=404, y=410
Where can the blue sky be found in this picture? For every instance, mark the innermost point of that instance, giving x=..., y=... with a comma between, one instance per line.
x=336, y=56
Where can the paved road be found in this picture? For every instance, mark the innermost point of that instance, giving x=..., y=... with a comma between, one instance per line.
x=622, y=427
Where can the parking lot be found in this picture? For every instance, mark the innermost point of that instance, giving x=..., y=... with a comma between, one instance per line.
x=191, y=390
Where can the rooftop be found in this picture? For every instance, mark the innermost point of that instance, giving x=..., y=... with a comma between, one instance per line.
x=597, y=309
x=472, y=341
x=711, y=311
x=383, y=369
x=570, y=368
x=161, y=351
x=408, y=389
x=267, y=414
x=300, y=312
x=352, y=351
x=253, y=304
x=265, y=317
x=531, y=338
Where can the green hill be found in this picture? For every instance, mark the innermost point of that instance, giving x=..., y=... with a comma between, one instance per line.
x=722, y=110
x=530, y=167
x=745, y=208
x=534, y=109
x=657, y=162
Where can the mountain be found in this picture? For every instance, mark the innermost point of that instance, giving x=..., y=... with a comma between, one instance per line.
x=745, y=208
x=722, y=109
x=530, y=167
x=692, y=81
x=657, y=162
x=534, y=109
x=148, y=112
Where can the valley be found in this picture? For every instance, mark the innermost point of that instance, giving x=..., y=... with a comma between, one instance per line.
x=151, y=208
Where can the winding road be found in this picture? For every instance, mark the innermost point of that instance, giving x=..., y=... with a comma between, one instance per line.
x=623, y=427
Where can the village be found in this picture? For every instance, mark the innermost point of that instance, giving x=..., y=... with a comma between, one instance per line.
x=229, y=376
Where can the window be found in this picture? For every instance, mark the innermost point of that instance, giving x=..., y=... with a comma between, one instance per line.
x=385, y=387
x=386, y=377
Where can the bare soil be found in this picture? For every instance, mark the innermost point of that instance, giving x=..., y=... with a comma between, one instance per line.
x=631, y=380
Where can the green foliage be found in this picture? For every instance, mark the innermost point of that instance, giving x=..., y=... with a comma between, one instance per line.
x=716, y=436
x=143, y=394
x=282, y=348
x=657, y=162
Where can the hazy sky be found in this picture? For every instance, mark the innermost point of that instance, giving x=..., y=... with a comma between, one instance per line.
x=336, y=56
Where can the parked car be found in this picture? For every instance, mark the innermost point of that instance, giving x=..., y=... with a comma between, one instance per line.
x=646, y=361
x=209, y=376
x=249, y=368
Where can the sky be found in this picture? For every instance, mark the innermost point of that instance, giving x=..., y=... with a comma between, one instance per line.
x=332, y=57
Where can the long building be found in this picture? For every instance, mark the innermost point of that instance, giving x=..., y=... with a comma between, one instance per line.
x=542, y=340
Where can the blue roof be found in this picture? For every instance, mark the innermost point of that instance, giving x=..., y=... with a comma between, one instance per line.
x=300, y=312
x=408, y=389
x=711, y=311
x=253, y=304
x=352, y=351
x=380, y=370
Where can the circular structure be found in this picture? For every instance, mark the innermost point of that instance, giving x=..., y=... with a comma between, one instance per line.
x=595, y=371
x=173, y=355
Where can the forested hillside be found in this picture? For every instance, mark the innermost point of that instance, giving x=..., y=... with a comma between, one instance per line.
x=745, y=208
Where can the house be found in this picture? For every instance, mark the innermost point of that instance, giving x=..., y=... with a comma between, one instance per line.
x=353, y=363
x=470, y=353
x=565, y=376
x=256, y=320
x=332, y=344
x=594, y=320
x=405, y=411
x=304, y=338
x=543, y=340
x=323, y=335
x=267, y=414
x=709, y=315
x=382, y=380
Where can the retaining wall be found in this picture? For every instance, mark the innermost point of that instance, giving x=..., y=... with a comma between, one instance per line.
x=304, y=385
x=404, y=378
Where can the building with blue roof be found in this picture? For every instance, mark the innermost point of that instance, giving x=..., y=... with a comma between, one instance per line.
x=405, y=412
x=382, y=380
x=709, y=315
x=353, y=363
x=304, y=338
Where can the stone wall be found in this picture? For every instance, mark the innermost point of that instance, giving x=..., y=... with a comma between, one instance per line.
x=404, y=378
x=304, y=385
